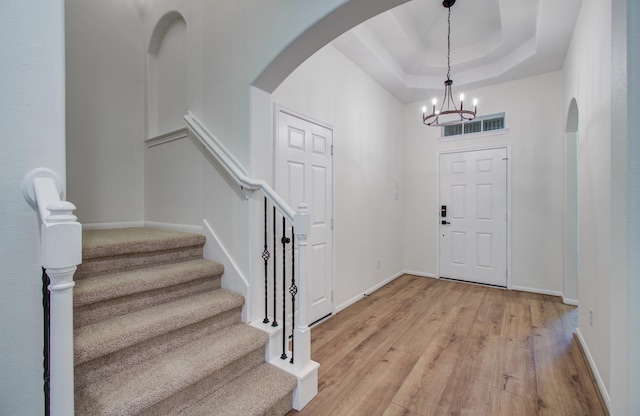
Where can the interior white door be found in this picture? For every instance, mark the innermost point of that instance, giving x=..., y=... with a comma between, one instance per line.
x=304, y=174
x=473, y=233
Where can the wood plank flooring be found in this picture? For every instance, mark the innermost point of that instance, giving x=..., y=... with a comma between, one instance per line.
x=422, y=347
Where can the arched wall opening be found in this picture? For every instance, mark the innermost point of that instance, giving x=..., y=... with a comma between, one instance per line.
x=312, y=40
x=167, y=83
x=571, y=209
x=342, y=19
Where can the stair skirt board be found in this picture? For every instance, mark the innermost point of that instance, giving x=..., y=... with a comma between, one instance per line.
x=155, y=333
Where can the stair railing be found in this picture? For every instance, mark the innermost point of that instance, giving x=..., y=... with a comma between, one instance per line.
x=298, y=360
x=61, y=252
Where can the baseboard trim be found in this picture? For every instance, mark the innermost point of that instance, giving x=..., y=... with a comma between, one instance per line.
x=538, y=291
x=420, y=274
x=151, y=224
x=112, y=225
x=233, y=279
x=372, y=289
x=196, y=229
x=569, y=301
x=602, y=390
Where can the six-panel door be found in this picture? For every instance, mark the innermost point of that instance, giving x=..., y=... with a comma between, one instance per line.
x=473, y=235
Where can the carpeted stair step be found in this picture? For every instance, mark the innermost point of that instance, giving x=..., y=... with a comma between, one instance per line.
x=155, y=381
x=264, y=390
x=110, y=251
x=106, y=296
x=107, y=365
x=105, y=337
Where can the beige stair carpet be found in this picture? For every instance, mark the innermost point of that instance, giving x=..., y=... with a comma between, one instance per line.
x=156, y=335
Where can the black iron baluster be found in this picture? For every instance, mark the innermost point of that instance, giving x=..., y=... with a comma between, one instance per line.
x=275, y=276
x=293, y=290
x=284, y=241
x=46, y=297
x=265, y=257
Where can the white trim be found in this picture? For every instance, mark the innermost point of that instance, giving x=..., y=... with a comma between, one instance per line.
x=477, y=135
x=167, y=137
x=569, y=301
x=420, y=274
x=277, y=110
x=536, y=290
x=367, y=292
x=288, y=110
x=594, y=370
x=507, y=147
x=111, y=225
x=233, y=168
x=196, y=229
x=233, y=279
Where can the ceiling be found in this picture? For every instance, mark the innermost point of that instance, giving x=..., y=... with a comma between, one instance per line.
x=492, y=41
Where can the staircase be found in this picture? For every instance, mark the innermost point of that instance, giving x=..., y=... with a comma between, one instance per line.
x=154, y=334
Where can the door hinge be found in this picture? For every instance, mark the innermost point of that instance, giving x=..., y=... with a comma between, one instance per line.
x=332, y=296
x=332, y=223
x=331, y=150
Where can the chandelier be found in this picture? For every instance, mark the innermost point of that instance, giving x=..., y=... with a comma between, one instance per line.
x=449, y=112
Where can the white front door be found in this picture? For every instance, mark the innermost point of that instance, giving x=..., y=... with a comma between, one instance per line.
x=473, y=231
x=304, y=174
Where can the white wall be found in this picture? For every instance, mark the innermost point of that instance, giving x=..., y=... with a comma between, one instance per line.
x=368, y=133
x=235, y=41
x=588, y=79
x=32, y=125
x=105, y=110
x=533, y=114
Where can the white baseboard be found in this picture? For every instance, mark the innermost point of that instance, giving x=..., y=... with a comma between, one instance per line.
x=420, y=274
x=233, y=279
x=196, y=229
x=569, y=301
x=372, y=289
x=594, y=370
x=536, y=290
x=112, y=225
x=151, y=224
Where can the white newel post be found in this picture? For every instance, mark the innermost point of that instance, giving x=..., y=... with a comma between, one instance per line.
x=61, y=250
x=307, y=369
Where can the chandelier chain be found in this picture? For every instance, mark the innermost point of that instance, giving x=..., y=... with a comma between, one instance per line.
x=449, y=44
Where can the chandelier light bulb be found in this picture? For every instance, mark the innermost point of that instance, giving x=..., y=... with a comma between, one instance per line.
x=475, y=102
x=424, y=109
x=434, y=101
x=461, y=97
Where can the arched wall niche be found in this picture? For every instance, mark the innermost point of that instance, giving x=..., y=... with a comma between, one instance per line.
x=167, y=80
x=572, y=117
x=571, y=208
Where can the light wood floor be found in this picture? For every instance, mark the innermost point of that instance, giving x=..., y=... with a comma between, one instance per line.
x=421, y=346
